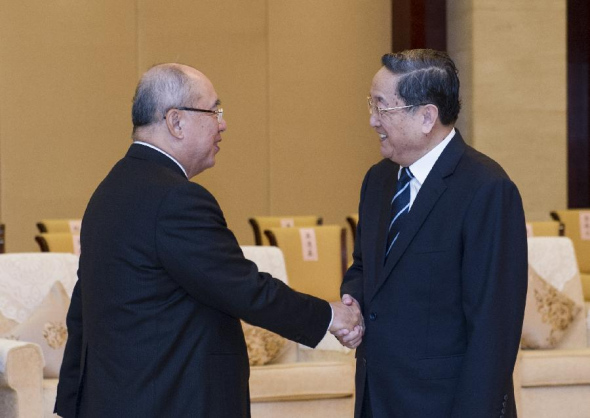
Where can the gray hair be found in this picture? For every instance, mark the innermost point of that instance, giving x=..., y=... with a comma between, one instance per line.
x=161, y=88
x=427, y=76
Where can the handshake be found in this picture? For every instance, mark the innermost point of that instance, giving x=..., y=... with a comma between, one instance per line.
x=348, y=324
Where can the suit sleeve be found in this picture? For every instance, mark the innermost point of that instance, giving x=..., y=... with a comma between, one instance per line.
x=352, y=282
x=494, y=283
x=69, y=375
x=198, y=251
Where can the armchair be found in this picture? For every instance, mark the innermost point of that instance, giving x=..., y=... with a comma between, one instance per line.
x=556, y=382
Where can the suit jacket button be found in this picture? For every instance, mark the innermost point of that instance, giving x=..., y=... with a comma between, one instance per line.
x=372, y=316
x=505, y=397
x=504, y=403
x=503, y=411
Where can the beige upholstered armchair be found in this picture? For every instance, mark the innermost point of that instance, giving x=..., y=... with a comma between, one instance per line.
x=555, y=380
x=296, y=382
x=31, y=305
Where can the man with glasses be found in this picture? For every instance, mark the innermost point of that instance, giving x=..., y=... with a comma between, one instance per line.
x=440, y=258
x=154, y=322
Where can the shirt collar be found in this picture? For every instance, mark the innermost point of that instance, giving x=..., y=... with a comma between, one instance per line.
x=421, y=168
x=163, y=152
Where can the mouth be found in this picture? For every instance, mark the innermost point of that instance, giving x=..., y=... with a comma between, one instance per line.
x=382, y=137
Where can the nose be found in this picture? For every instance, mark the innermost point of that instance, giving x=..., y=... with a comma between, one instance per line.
x=222, y=125
x=374, y=120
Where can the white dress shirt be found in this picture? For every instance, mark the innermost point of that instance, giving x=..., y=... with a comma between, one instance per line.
x=421, y=168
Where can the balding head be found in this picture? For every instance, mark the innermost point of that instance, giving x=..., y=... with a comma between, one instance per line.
x=162, y=87
x=176, y=109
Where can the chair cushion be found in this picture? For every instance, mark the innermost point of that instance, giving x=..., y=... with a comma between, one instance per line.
x=301, y=381
x=263, y=345
x=548, y=313
x=46, y=326
x=555, y=367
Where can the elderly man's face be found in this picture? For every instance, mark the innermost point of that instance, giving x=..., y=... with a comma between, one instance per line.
x=400, y=131
x=202, y=130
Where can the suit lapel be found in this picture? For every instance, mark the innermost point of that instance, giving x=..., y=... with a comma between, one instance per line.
x=432, y=189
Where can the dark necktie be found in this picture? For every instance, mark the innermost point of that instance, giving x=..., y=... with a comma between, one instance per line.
x=400, y=206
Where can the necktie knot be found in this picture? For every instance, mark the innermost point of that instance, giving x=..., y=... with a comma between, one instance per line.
x=405, y=176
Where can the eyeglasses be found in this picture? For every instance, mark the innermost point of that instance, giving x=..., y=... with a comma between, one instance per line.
x=374, y=109
x=218, y=112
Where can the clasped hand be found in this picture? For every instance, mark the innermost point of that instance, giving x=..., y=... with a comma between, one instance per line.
x=348, y=325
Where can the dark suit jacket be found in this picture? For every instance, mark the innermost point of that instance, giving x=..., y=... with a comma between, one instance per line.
x=153, y=324
x=444, y=314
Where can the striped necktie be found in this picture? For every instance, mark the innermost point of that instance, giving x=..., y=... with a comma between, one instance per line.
x=400, y=206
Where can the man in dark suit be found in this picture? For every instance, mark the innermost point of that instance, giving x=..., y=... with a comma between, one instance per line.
x=440, y=258
x=154, y=327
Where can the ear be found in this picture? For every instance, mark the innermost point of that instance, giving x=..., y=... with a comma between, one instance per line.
x=174, y=123
x=429, y=117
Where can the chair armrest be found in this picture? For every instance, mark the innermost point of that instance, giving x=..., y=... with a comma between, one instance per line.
x=302, y=381
x=554, y=367
x=21, y=379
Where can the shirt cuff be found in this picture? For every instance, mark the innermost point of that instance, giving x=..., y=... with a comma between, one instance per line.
x=331, y=319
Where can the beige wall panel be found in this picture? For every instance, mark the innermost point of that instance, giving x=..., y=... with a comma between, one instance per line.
x=229, y=44
x=460, y=49
x=323, y=56
x=517, y=91
x=520, y=96
x=67, y=70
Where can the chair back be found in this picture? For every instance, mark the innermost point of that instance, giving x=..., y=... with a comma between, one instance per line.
x=554, y=259
x=315, y=257
x=26, y=278
x=267, y=259
x=544, y=229
x=73, y=226
x=353, y=220
x=59, y=242
x=261, y=223
x=2, y=237
x=577, y=228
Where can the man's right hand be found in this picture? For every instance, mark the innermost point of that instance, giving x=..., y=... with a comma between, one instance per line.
x=347, y=318
x=347, y=337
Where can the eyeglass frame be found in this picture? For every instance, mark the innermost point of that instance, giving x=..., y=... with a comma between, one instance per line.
x=382, y=110
x=218, y=112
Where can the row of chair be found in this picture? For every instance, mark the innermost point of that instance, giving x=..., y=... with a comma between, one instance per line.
x=315, y=257
x=286, y=232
